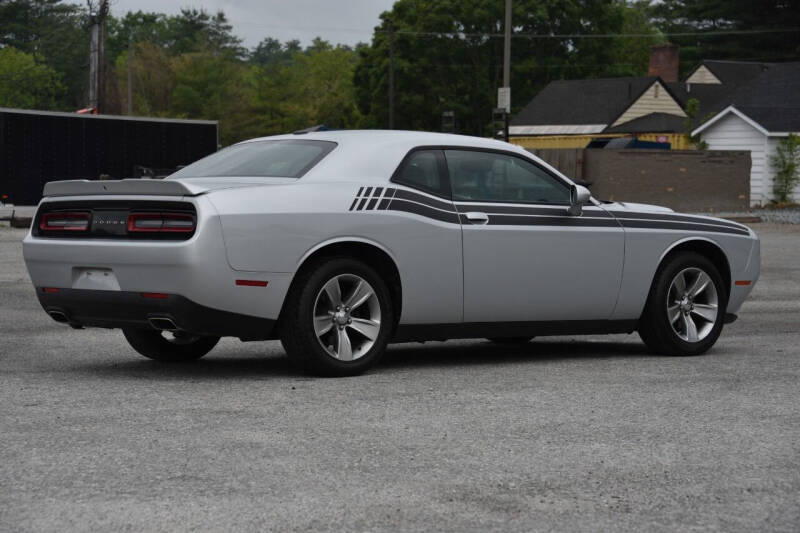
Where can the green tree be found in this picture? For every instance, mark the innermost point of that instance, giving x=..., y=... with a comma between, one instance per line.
x=691, y=123
x=210, y=86
x=630, y=52
x=314, y=86
x=448, y=56
x=52, y=31
x=152, y=79
x=26, y=84
x=137, y=27
x=708, y=18
x=786, y=164
x=193, y=30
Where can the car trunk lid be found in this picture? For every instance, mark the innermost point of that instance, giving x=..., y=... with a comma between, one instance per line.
x=147, y=187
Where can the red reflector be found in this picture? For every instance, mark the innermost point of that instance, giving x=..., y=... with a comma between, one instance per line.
x=64, y=221
x=251, y=283
x=156, y=295
x=742, y=282
x=50, y=289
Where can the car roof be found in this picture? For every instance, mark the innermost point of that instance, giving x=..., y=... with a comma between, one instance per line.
x=411, y=138
x=375, y=154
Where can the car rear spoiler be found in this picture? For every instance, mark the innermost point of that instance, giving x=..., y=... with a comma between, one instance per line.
x=131, y=186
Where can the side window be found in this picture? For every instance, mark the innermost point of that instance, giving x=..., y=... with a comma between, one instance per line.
x=492, y=177
x=421, y=171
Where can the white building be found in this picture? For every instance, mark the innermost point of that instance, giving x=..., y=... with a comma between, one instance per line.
x=761, y=113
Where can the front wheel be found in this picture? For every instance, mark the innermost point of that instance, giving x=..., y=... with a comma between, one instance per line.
x=177, y=347
x=686, y=306
x=338, y=318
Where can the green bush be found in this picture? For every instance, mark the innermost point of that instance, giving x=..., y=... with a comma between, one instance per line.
x=786, y=163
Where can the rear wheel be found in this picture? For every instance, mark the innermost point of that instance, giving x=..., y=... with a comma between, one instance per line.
x=338, y=318
x=686, y=306
x=173, y=347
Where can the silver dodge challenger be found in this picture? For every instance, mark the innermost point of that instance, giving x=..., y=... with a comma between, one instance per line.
x=338, y=243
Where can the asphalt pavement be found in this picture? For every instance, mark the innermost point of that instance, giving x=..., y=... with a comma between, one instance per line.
x=566, y=434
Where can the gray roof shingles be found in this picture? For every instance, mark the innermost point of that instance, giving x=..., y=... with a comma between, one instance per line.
x=772, y=99
x=597, y=101
x=769, y=93
x=651, y=123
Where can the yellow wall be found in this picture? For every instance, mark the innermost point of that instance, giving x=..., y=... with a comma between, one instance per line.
x=656, y=99
x=677, y=140
x=703, y=75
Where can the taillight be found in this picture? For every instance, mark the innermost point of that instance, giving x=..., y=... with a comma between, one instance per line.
x=64, y=221
x=160, y=223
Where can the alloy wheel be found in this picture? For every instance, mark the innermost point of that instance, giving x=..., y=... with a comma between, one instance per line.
x=347, y=317
x=692, y=304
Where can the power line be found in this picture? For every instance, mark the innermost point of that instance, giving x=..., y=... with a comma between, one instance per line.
x=592, y=36
x=520, y=35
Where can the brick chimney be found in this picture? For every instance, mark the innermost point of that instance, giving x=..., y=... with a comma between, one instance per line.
x=664, y=61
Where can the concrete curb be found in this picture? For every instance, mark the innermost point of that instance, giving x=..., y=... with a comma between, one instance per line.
x=750, y=219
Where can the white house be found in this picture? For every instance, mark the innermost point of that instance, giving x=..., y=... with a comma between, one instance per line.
x=762, y=112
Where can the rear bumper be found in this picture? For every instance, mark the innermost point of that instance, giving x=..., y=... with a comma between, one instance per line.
x=196, y=268
x=122, y=309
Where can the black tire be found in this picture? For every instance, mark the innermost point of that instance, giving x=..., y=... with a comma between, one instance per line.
x=297, y=332
x=510, y=340
x=183, y=348
x=654, y=326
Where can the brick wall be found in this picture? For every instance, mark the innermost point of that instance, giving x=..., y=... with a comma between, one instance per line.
x=690, y=181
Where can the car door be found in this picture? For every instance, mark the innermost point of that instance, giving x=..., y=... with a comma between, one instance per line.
x=425, y=235
x=525, y=258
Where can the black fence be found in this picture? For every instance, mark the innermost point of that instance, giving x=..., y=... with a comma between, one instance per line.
x=37, y=147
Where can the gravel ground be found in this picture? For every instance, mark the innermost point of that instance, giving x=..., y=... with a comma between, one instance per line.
x=568, y=434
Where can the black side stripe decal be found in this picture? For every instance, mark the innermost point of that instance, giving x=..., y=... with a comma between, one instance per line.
x=392, y=199
x=403, y=194
x=674, y=218
x=367, y=198
x=682, y=226
x=425, y=211
x=526, y=210
x=565, y=221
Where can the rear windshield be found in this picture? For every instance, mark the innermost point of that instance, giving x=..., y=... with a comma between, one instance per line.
x=264, y=159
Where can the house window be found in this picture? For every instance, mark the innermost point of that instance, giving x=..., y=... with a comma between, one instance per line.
x=656, y=91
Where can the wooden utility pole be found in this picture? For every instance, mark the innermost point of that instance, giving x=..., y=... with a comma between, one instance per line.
x=504, y=94
x=97, y=20
x=391, y=75
x=507, y=47
x=130, y=89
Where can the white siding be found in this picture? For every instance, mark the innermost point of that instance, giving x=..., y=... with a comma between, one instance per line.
x=703, y=75
x=733, y=133
x=655, y=99
x=769, y=173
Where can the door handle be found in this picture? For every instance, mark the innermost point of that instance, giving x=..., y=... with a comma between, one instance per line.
x=475, y=217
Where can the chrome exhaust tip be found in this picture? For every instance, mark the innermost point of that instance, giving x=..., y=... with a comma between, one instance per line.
x=163, y=324
x=58, y=316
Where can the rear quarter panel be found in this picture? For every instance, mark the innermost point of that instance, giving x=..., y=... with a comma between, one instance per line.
x=274, y=228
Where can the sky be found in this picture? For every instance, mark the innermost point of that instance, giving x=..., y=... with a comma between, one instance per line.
x=337, y=21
